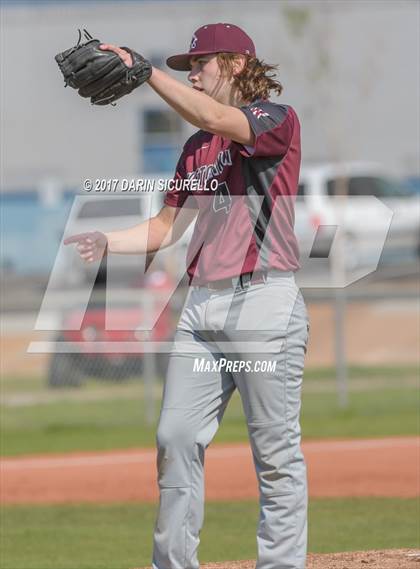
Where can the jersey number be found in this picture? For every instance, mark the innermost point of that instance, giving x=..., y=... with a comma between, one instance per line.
x=222, y=199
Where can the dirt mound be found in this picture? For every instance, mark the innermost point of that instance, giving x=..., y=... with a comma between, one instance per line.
x=388, y=559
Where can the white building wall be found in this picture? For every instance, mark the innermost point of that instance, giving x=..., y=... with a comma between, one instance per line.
x=351, y=70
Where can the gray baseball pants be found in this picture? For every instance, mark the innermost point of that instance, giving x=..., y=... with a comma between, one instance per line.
x=265, y=321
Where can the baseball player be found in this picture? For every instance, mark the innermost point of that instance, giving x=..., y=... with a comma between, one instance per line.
x=243, y=307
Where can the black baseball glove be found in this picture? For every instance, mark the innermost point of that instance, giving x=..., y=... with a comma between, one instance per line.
x=99, y=74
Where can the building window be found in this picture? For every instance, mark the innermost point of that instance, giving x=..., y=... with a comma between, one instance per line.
x=162, y=140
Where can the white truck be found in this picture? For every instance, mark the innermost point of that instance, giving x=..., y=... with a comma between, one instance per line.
x=355, y=211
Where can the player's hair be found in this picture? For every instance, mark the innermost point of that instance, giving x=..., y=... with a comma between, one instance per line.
x=255, y=81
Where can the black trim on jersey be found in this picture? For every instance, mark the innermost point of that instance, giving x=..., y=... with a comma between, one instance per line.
x=260, y=173
x=276, y=114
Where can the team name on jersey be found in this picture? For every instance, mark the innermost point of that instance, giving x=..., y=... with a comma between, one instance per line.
x=209, y=171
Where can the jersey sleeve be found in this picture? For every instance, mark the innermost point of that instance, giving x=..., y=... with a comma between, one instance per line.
x=273, y=126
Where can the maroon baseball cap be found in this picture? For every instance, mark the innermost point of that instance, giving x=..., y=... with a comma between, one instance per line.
x=213, y=38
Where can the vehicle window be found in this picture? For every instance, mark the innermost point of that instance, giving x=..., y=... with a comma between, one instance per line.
x=362, y=186
x=301, y=189
x=354, y=186
x=365, y=186
x=411, y=186
x=330, y=187
x=390, y=189
x=110, y=208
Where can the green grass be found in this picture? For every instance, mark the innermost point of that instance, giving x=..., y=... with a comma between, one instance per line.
x=120, y=536
x=366, y=372
x=37, y=383
x=17, y=384
x=115, y=418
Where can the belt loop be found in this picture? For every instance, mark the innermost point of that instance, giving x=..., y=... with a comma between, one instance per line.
x=236, y=284
x=245, y=280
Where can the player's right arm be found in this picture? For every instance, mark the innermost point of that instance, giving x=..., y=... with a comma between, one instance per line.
x=149, y=236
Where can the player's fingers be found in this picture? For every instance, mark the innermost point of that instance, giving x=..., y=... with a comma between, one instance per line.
x=87, y=256
x=75, y=238
x=82, y=248
x=114, y=48
x=124, y=55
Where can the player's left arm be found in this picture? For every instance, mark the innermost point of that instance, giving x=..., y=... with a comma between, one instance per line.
x=201, y=110
x=195, y=107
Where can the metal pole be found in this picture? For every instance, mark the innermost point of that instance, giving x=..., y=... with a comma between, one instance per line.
x=338, y=273
x=148, y=301
x=340, y=304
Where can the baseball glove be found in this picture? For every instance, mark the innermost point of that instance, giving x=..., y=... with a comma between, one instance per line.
x=101, y=75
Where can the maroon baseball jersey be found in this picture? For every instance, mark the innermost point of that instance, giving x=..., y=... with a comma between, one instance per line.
x=246, y=196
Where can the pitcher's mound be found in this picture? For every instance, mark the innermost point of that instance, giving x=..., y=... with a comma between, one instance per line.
x=388, y=559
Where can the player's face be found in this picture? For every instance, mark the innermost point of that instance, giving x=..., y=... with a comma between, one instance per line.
x=206, y=76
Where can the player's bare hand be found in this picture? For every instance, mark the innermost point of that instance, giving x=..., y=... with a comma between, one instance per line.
x=125, y=56
x=90, y=245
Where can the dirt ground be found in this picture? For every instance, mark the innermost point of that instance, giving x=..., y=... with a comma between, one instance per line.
x=371, y=467
x=389, y=559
